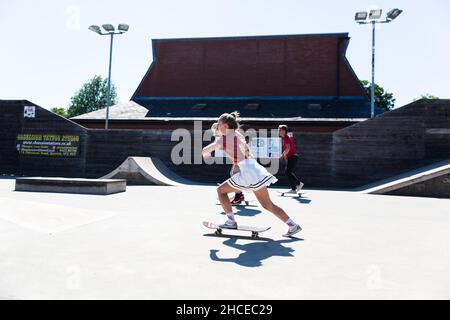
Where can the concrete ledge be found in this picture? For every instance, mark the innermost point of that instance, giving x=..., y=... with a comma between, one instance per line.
x=430, y=181
x=67, y=185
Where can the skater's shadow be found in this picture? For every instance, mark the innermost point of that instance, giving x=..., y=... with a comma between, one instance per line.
x=245, y=211
x=303, y=200
x=255, y=252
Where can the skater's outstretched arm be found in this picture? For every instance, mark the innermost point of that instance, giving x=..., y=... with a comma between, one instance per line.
x=214, y=257
x=208, y=149
x=206, y=152
x=232, y=243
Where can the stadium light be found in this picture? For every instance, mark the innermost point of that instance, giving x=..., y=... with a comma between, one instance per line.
x=96, y=29
x=123, y=27
x=110, y=31
x=108, y=27
x=375, y=14
x=394, y=13
x=374, y=18
x=360, y=16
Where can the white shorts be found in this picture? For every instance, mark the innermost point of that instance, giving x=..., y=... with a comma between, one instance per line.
x=252, y=176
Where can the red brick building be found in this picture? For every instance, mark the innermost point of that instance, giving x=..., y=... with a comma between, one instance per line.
x=303, y=80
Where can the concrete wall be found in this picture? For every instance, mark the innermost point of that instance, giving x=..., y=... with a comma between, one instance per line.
x=108, y=149
x=11, y=114
x=395, y=142
x=13, y=122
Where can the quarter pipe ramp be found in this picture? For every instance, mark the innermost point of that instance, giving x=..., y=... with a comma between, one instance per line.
x=146, y=171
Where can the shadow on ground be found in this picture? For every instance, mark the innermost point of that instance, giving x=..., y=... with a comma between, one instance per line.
x=303, y=200
x=244, y=211
x=255, y=252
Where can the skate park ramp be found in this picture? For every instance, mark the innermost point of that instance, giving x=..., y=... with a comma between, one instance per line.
x=147, y=171
x=429, y=181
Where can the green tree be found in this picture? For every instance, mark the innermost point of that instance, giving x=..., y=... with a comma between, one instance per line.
x=427, y=96
x=91, y=97
x=383, y=99
x=59, y=111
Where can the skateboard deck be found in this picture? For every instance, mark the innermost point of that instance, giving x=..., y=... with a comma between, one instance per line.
x=254, y=230
x=286, y=194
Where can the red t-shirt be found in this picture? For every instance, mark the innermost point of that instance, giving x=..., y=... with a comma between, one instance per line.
x=288, y=141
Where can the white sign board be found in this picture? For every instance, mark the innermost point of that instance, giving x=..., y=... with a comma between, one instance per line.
x=266, y=147
x=261, y=148
x=29, y=111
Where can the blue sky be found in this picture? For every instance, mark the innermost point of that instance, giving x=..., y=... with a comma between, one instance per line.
x=47, y=52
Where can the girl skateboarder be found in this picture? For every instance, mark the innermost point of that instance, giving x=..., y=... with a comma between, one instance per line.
x=252, y=176
x=239, y=196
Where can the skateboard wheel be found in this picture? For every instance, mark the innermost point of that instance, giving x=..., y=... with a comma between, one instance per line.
x=246, y=203
x=218, y=231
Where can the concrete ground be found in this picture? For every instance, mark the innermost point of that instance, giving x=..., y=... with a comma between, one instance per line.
x=149, y=243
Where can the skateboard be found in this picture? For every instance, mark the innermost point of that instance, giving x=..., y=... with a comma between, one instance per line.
x=254, y=230
x=286, y=194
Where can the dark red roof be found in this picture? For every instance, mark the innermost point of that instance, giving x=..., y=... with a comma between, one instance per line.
x=264, y=66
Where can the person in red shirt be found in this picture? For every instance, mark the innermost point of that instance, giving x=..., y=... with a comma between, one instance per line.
x=291, y=157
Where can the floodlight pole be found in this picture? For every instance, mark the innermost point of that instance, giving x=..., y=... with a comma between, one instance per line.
x=108, y=98
x=111, y=33
x=361, y=20
x=372, y=86
x=372, y=91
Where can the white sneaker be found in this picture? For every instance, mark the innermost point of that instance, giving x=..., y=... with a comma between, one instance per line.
x=293, y=230
x=290, y=192
x=229, y=224
x=299, y=187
